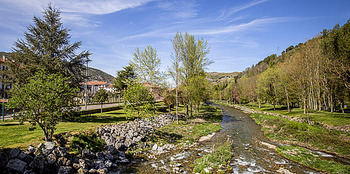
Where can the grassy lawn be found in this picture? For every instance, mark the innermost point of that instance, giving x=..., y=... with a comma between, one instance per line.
x=333, y=119
x=12, y=134
x=312, y=159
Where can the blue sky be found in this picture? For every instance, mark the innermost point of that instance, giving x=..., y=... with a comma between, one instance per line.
x=240, y=32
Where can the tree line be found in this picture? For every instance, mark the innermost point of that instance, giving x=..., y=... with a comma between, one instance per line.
x=312, y=75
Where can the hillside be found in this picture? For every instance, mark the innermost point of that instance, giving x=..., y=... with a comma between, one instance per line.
x=219, y=76
x=99, y=75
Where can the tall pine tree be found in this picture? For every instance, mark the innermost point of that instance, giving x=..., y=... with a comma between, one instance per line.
x=46, y=46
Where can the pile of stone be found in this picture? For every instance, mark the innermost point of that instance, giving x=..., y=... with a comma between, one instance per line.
x=48, y=158
x=124, y=135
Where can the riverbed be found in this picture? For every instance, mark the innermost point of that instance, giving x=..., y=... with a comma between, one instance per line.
x=253, y=153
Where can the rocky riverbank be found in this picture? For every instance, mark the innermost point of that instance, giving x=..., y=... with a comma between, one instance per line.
x=49, y=158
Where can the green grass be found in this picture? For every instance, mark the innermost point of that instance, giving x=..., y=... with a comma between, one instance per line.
x=215, y=160
x=314, y=136
x=333, y=119
x=312, y=159
x=13, y=134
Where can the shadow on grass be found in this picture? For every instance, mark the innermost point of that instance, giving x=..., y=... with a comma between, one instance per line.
x=10, y=124
x=164, y=136
x=97, y=119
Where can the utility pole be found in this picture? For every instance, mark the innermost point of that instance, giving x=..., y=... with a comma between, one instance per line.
x=86, y=76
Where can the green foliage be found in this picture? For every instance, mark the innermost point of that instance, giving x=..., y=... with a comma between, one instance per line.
x=46, y=46
x=124, y=77
x=101, y=96
x=169, y=98
x=138, y=100
x=312, y=159
x=45, y=101
x=146, y=65
x=309, y=135
x=87, y=141
x=220, y=157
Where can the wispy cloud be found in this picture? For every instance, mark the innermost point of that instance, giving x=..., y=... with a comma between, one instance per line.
x=244, y=26
x=98, y=7
x=228, y=13
x=180, y=8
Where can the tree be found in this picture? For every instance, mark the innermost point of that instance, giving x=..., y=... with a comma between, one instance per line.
x=146, y=65
x=101, y=96
x=175, y=69
x=46, y=46
x=137, y=100
x=267, y=86
x=169, y=99
x=124, y=77
x=193, y=58
x=336, y=45
x=45, y=100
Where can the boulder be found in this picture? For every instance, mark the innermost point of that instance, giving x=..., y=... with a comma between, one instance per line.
x=3, y=159
x=31, y=149
x=14, y=152
x=65, y=170
x=37, y=164
x=22, y=155
x=49, y=145
x=16, y=164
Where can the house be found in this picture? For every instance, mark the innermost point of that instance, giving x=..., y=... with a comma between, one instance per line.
x=94, y=86
x=4, y=87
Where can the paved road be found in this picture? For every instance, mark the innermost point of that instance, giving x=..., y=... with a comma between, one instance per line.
x=8, y=115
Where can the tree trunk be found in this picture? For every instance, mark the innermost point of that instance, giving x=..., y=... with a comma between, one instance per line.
x=285, y=88
x=101, y=107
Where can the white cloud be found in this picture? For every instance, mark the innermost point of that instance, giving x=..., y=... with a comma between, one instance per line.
x=98, y=7
x=234, y=10
x=180, y=8
x=244, y=26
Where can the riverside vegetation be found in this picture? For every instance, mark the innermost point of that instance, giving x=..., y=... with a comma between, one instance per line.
x=187, y=132
x=318, y=131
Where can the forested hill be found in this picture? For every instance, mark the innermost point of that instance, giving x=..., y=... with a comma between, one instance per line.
x=99, y=75
x=93, y=73
x=313, y=75
x=220, y=77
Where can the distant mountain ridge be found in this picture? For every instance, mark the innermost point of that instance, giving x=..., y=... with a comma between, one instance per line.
x=99, y=75
x=215, y=77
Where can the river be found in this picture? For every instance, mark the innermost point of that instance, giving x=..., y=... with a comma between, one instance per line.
x=252, y=151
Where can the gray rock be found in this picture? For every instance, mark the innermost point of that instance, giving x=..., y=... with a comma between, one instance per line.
x=3, y=159
x=102, y=171
x=29, y=159
x=28, y=172
x=16, y=164
x=83, y=171
x=108, y=163
x=100, y=155
x=46, y=152
x=76, y=166
x=37, y=163
x=51, y=159
x=62, y=161
x=155, y=147
x=14, y=152
x=31, y=149
x=22, y=155
x=62, y=151
x=65, y=170
x=92, y=171
x=40, y=146
x=50, y=145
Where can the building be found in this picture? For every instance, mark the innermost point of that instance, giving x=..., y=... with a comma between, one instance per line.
x=93, y=86
x=4, y=87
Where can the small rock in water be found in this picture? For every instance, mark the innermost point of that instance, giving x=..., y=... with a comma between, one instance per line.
x=155, y=147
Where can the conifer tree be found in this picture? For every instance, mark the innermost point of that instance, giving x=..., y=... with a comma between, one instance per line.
x=46, y=46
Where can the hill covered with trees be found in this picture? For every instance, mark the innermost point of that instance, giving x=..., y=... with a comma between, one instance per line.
x=312, y=75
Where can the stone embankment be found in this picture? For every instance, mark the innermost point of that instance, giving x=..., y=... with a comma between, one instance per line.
x=345, y=128
x=124, y=135
x=48, y=158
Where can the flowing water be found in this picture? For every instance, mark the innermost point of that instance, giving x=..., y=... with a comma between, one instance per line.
x=252, y=151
